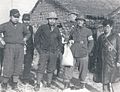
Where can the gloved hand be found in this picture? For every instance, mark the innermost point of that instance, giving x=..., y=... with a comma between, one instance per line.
x=71, y=42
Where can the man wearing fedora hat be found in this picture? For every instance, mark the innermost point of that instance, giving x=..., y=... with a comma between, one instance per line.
x=82, y=46
x=15, y=35
x=48, y=44
x=28, y=57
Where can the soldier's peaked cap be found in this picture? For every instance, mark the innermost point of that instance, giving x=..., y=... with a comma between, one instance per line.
x=74, y=11
x=80, y=17
x=26, y=17
x=15, y=13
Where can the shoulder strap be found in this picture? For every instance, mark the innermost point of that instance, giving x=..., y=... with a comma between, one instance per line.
x=111, y=44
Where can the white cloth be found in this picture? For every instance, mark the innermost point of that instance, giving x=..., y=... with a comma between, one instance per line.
x=67, y=59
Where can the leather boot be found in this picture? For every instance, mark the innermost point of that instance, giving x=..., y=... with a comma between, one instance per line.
x=66, y=85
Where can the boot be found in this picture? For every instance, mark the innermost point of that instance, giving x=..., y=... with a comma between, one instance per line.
x=4, y=87
x=110, y=88
x=66, y=85
x=15, y=87
x=39, y=78
x=49, y=81
x=37, y=87
x=105, y=88
x=82, y=85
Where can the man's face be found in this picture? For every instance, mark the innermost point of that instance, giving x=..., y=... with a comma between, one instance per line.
x=72, y=17
x=26, y=22
x=107, y=29
x=14, y=19
x=52, y=21
x=80, y=22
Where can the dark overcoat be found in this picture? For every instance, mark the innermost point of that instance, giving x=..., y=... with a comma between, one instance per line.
x=108, y=56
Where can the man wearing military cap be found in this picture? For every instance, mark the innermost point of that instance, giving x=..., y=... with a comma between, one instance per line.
x=82, y=45
x=70, y=23
x=71, y=18
x=48, y=44
x=67, y=26
x=28, y=57
x=15, y=35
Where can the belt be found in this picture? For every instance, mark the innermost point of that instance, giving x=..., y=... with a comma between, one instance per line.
x=81, y=42
x=14, y=43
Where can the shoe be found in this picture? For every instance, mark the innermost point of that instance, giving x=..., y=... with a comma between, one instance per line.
x=75, y=88
x=82, y=85
x=24, y=81
x=66, y=85
x=49, y=85
x=37, y=87
x=32, y=82
x=15, y=87
x=4, y=87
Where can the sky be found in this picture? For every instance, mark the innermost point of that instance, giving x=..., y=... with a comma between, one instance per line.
x=24, y=6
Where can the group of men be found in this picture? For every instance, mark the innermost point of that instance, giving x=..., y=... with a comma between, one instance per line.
x=48, y=43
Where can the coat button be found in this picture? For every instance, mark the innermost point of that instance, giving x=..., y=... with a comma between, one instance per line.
x=114, y=57
x=81, y=42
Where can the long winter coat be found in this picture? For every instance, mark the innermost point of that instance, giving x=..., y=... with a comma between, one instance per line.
x=108, y=56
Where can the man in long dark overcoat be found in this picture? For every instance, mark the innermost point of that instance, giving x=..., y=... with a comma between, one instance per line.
x=108, y=56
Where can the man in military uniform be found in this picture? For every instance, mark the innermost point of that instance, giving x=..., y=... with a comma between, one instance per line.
x=28, y=58
x=82, y=45
x=15, y=35
x=67, y=27
x=108, y=56
x=70, y=23
x=48, y=44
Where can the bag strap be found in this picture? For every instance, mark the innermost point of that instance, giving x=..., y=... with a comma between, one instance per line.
x=111, y=44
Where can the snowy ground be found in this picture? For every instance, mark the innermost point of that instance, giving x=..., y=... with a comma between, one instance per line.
x=91, y=86
x=58, y=86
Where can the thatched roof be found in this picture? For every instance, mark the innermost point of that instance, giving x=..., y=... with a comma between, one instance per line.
x=93, y=7
x=87, y=7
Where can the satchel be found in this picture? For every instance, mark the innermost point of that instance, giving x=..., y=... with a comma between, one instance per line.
x=67, y=59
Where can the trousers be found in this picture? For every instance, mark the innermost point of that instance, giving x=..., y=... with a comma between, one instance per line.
x=13, y=60
x=82, y=64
